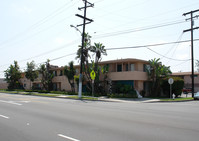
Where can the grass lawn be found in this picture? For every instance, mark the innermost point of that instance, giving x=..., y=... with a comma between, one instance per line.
x=83, y=97
x=178, y=99
x=47, y=94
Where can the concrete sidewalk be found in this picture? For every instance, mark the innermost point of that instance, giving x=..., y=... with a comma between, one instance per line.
x=129, y=100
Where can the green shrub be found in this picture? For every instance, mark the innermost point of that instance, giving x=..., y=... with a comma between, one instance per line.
x=71, y=93
x=58, y=92
x=177, y=86
x=43, y=91
x=121, y=95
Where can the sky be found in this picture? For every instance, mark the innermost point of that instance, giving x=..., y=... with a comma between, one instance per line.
x=37, y=30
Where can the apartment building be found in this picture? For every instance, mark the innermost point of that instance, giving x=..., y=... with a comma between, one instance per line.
x=124, y=71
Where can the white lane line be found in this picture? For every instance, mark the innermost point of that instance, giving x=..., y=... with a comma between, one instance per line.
x=66, y=137
x=25, y=101
x=11, y=102
x=4, y=116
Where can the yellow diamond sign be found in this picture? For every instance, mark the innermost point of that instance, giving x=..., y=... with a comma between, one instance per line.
x=92, y=74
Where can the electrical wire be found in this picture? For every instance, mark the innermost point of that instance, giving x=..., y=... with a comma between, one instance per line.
x=138, y=29
x=38, y=23
x=151, y=45
x=166, y=57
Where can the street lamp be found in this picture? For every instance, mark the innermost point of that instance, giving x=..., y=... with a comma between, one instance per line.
x=76, y=29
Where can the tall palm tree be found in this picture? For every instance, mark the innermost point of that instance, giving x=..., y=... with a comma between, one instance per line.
x=69, y=72
x=156, y=72
x=98, y=49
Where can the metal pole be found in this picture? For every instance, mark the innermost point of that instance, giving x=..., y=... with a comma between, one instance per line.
x=192, y=57
x=170, y=91
x=93, y=88
x=82, y=47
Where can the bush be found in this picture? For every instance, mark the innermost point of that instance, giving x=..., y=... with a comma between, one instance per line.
x=43, y=91
x=58, y=92
x=123, y=91
x=177, y=86
x=71, y=93
x=120, y=95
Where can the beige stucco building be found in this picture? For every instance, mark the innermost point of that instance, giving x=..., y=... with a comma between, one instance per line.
x=126, y=71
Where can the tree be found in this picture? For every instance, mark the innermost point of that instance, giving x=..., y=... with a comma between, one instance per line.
x=156, y=72
x=31, y=72
x=98, y=50
x=13, y=74
x=69, y=72
x=47, y=76
x=197, y=65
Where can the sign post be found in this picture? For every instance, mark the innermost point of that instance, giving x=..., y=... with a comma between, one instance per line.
x=92, y=75
x=170, y=81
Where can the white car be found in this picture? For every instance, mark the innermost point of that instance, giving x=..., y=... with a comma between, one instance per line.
x=196, y=96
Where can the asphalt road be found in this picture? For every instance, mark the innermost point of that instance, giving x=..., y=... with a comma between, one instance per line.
x=31, y=118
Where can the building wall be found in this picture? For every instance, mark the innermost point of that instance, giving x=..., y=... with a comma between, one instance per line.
x=188, y=82
x=63, y=82
x=128, y=75
x=3, y=84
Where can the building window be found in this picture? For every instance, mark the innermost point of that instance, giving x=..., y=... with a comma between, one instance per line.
x=132, y=67
x=24, y=85
x=119, y=68
x=127, y=67
x=55, y=73
x=146, y=67
x=61, y=73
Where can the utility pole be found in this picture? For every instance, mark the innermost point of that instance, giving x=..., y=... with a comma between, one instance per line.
x=85, y=19
x=192, y=54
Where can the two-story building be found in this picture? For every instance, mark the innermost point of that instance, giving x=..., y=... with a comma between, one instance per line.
x=125, y=71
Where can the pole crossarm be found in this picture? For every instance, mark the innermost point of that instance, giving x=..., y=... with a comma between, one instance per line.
x=190, y=29
x=190, y=12
x=84, y=17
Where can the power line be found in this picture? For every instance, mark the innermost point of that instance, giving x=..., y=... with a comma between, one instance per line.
x=139, y=29
x=38, y=23
x=45, y=53
x=151, y=45
x=167, y=57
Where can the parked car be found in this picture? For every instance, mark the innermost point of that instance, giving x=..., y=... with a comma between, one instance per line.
x=196, y=96
x=187, y=90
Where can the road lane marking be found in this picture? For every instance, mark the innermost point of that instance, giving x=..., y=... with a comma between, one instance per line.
x=4, y=116
x=66, y=137
x=25, y=101
x=11, y=102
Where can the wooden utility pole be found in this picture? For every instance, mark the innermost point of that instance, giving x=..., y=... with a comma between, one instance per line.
x=85, y=19
x=192, y=53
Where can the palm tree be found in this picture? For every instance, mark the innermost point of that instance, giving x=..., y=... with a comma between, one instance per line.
x=156, y=72
x=98, y=49
x=69, y=72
